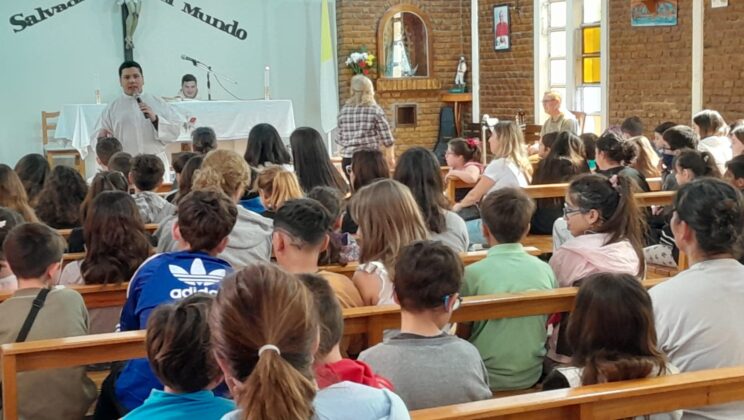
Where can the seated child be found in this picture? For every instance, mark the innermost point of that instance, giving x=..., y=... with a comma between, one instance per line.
x=146, y=175
x=688, y=165
x=275, y=186
x=121, y=162
x=34, y=253
x=264, y=326
x=613, y=336
x=106, y=147
x=428, y=278
x=463, y=157
x=330, y=366
x=342, y=248
x=735, y=172
x=512, y=348
x=8, y=220
x=179, y=161
x=179, y=354
x=205, y=218
x=388, y=219
x=203, y=140
x=301, y=229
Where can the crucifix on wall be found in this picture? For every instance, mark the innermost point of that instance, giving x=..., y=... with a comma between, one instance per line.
x=130, y=13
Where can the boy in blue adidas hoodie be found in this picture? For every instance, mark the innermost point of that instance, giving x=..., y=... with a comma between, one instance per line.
x=205, y=219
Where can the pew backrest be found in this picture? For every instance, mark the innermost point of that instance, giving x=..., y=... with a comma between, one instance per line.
x=95, y=296
x=624, y=399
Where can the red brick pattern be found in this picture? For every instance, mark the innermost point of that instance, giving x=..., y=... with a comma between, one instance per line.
x=357, y=22
x=650, y=68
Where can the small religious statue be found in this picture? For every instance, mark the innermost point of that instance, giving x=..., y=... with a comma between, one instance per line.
x=462, y=67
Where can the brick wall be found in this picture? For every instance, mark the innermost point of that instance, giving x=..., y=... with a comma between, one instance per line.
x=650, y=68
x=723, y=62
x=507, y=82
x=357, y=22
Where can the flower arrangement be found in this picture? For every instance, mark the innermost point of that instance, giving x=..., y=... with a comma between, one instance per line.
x=361, y=62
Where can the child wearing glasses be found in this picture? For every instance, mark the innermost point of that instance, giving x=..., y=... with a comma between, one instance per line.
x=512, y=348
x=608, y=236
x=428, y=366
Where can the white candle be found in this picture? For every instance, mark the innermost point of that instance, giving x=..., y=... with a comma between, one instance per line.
x=97, y=81
x=267, y=77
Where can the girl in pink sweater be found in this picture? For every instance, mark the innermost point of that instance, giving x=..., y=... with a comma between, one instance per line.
x=607, y=228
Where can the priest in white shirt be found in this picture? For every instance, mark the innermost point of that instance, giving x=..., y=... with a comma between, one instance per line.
x=142, y=122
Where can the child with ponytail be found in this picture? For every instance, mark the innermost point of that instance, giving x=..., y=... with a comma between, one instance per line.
x=607, y=230
x=267, y=357
x=688, y=165
x=275, y=186
x=463, y=156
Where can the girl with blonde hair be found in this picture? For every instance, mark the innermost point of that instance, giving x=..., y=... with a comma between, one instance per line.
x=275, y=186
x=250, y=239
x=388, y=219
x=510, y=167
x=265, y=331
x=13, y=195
x=362, y=124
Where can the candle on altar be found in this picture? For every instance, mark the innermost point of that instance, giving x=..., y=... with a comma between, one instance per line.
x=267, y=78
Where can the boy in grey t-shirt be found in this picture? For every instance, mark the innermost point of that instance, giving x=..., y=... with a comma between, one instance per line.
x=428, y=367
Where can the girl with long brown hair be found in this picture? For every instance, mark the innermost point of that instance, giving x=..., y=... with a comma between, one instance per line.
x=388, y=219
x=60, y=199
x=33, y=170
x=612, y=335
x=117, y=244
x=103, y=181
x=265, y=332
x=13, y=195
x=565, y=160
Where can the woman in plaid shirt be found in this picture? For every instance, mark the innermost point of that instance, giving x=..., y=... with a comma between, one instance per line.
x=362, y=123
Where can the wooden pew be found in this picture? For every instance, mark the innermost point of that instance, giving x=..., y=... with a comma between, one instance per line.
x=467, y=259
x=95, y=296
x=558, y=190
x=150, y=228
x=624, y=399
x=372, y=321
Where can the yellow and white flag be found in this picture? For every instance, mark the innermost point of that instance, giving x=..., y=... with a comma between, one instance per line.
x=328, y=81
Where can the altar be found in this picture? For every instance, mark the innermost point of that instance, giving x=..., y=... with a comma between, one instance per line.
x=231, y=120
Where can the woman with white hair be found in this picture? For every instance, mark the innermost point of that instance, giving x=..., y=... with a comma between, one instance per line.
x=362, y=124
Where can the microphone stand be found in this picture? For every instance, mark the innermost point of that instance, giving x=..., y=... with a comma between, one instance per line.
x=209, y=70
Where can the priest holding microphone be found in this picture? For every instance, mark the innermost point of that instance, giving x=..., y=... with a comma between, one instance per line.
x=142, y=122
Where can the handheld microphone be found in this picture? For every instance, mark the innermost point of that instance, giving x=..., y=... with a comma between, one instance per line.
x=139, y=101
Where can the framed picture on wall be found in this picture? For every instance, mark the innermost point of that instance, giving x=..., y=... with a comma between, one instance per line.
x=501, y=28
x=653, y=12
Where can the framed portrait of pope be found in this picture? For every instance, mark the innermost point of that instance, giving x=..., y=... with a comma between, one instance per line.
x=501, y=28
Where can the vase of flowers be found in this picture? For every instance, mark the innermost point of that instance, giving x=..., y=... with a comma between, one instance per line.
x=361, y=62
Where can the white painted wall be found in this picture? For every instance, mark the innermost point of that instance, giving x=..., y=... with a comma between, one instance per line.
x=66, y=57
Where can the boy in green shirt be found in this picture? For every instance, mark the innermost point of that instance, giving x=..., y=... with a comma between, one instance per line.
x=512, y=348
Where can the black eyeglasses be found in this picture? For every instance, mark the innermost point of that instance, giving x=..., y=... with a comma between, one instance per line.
x=570, y=210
